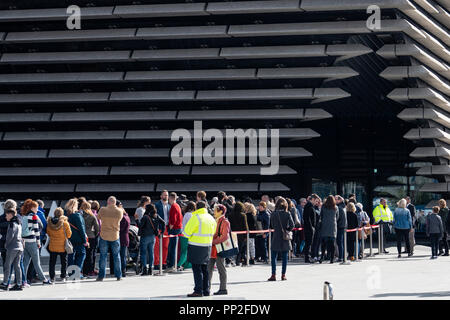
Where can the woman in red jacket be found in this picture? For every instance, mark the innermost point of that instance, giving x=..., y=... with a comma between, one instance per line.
x=221, y=235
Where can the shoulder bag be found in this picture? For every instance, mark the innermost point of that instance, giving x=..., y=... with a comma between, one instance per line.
x=229, y=247
x=67, y=244
x=287, y=235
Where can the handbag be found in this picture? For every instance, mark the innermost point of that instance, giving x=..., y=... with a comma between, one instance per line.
x=287, y=235
x=68, y=247
x=229, y=247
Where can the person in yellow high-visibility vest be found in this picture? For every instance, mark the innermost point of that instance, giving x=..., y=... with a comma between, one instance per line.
x=382, y=215
x=200, y=231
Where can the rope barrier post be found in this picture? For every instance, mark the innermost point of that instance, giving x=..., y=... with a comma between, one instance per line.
x=160, y=256
x=345, y=262
x=248, y=248
x=371, y=240
x=382, y=240
x=357, y=246
x=176, y=254
x=379, y=240
x=363, y=233
x=270, y=246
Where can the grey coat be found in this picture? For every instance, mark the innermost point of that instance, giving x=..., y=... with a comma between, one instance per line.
x=328, y=225
x=434, y=224
x=342, y=220
x=14, y=237
x=278, y=243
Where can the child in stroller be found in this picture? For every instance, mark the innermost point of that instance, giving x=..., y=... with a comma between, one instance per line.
x=133, y=249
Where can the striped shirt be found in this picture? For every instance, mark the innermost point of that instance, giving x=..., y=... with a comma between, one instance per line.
x=32, y=233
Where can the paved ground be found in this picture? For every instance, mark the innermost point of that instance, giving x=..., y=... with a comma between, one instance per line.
x=379, y=277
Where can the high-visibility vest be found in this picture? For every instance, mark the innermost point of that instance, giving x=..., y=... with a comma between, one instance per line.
x=200, y=228
x=380, y=213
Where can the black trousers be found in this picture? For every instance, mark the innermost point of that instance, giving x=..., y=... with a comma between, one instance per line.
x=201, y=279
x=444, y=243
x=52, y=264
x=89, y=262
x=402, y=234
x=351, y=237
x=309, y=235
x=242, y=255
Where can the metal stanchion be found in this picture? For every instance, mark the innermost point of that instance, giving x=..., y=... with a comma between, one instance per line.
x=270, y=246
x=160, y=256
x=371, y=241
x=327, y=291
x=176, y=254
x=345, y=262
x=382, y=238
x=379, y=239
x=248, y=248
x=363, y=233
x=357, y=246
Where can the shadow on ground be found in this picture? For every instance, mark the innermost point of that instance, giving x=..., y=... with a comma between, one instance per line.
x=413, y=294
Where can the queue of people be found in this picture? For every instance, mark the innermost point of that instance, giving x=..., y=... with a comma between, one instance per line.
x=198, y=235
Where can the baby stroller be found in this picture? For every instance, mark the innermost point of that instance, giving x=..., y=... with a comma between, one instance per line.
x=133, y=248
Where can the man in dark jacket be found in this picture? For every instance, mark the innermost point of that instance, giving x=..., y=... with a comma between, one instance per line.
x=412, y=210
x=341, y=226
x=310, y=221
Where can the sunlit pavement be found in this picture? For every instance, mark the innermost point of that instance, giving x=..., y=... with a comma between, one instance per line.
x=378, y=277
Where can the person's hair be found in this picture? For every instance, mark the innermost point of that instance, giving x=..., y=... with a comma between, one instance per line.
x=190, y=207
x=86, y=207
x=221, y=208
x=302, y=199
x=9, y=204
x=239, y=208
x=401, y=203
x=330, y=202
x=382, y=199
x=232, y=198
x=58, y=212
x=360, y=206
x=350, y=207
x=436, y=209
x=281, y=204
x=340, y=198
x=81, y=200
x=352, y=195
x=442, y=203
x=40, y=203
x=221, y=195
x=71, y=206
x=201, y=204
x=112, y=199
x=27, y=206
x=314, y=196
x=201, y=195
x=352, y=200
x=249, y=207
x=150, y=209
x=95, y=205
x=143, y=200
x=164, y=191
x=172, y=195
x=290, y=203
x=11, y=211
x=263, y=204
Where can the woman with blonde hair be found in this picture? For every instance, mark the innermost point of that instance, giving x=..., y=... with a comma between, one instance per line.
x=78, y=238
x=92, y=230
x=402, y=225
x=58, y=230
x=250, y=212
x=443, y=213
x=352, y=223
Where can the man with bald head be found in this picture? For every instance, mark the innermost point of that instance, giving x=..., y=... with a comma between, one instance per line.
x=110, y=217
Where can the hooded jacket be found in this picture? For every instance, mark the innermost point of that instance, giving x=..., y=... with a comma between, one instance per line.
x=55, y=230
x=14, y=235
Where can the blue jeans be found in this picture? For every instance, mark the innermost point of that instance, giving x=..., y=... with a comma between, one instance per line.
x=171, y=251
x=146, y=250
x=123, y=260
x=31, y=253
x=115, y=249
x=340, y=242
x=77, y=257
x=284, y=257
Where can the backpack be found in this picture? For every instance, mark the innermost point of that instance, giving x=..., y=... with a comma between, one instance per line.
x=26, y=229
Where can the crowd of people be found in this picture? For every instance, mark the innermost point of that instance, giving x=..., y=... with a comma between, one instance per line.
x=197, y=235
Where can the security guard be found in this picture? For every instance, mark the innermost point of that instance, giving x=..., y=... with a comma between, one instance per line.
x=383, y=215
x=200, y=230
